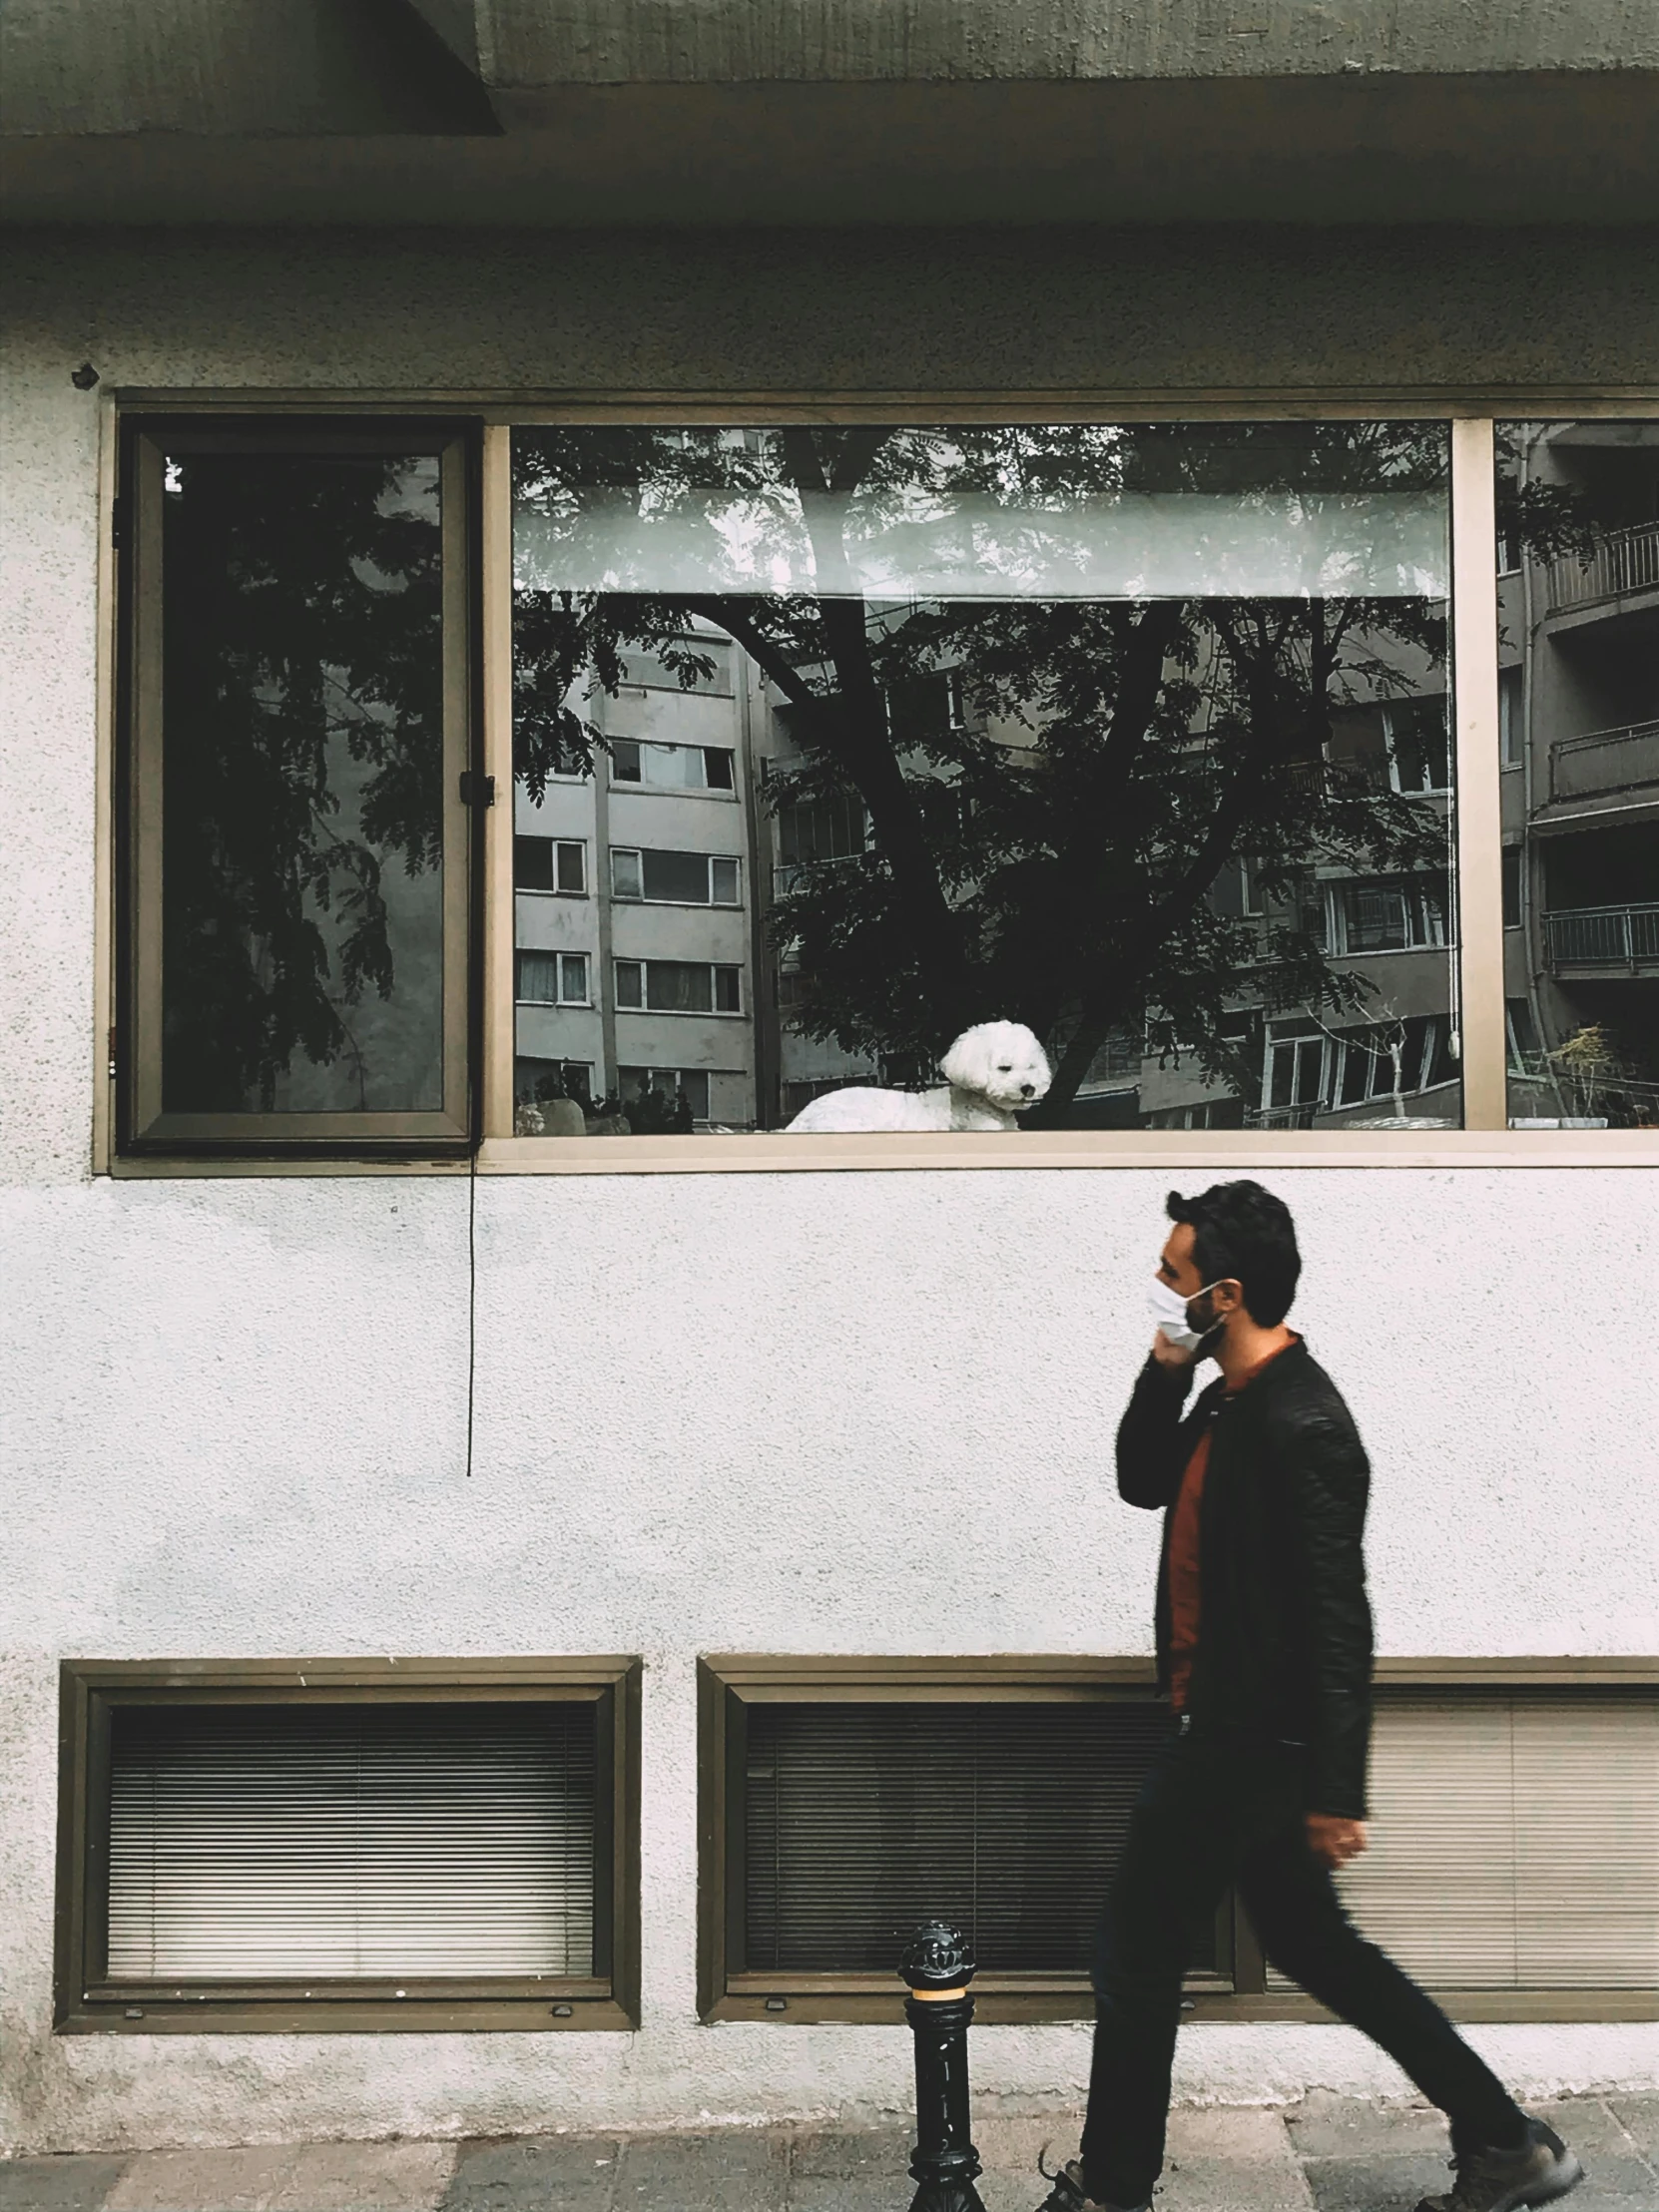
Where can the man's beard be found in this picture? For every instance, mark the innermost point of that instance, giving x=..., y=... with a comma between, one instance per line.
x=1209, y=1333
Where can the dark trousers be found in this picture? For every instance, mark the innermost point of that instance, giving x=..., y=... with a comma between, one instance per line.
x=1211, y=1814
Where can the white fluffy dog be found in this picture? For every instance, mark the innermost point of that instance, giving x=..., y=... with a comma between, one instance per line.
x=992, y=1073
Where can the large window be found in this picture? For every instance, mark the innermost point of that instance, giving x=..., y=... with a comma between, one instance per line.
x=1012, y=708
x=1514, y=1866
x=847, y=1801
x=677, y=988
x=1579, y=642
x=294, y=945
x=673, y=879
x=339, y=1845
x=1166, y=755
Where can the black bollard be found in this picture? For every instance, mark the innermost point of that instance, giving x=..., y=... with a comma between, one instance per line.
x=939, y=1965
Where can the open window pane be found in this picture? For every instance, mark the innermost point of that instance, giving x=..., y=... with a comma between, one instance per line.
x=996, y=715
x=272, y=1843
x=1578, y=613
x=296, y=933
x=533, y=865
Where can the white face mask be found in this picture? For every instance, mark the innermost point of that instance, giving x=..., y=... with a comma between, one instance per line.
x=1169, y=1310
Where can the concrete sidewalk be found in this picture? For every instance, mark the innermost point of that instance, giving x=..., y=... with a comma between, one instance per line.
x=1325, y=2155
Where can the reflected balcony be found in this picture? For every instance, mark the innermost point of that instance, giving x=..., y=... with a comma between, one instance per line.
x=1621, y=575
x=1605, y=775
x=793, y=875
x=1605, y=763
x=1604, y=942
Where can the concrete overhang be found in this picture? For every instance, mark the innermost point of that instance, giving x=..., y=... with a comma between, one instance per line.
x=584, y=112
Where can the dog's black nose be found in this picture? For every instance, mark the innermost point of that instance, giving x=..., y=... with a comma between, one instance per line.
x=1026, y=1089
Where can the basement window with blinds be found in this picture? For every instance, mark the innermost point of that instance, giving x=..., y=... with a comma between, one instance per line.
x=1514, y=1868
x=323, y=1859
x=1515, y=1848
x=845, y=1823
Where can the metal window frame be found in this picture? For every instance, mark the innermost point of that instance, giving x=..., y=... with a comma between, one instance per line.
x=141, y=1129
x=642, y=898
x=557, y=845
x=1474, y=926
x=727, y=1683
x=87, y=2002
x=558, y=957
x=645, y=960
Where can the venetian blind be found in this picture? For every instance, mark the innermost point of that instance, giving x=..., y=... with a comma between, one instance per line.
x=863, y=1820
x=365, y=1841
x=1515, y=1841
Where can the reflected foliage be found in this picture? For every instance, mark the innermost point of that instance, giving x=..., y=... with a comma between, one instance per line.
x=1046, y=828
x=303, y=653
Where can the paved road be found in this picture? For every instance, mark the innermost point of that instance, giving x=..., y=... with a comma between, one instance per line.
x=1325, y=2155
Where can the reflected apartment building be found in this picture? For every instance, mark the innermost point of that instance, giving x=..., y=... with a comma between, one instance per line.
x=655, y=994
x=1579, y=715
x=648, y=992
x=636, y=922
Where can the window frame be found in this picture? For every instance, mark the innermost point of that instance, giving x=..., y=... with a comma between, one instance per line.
x=642, y=898
x=1424, y=915
x=727, y=1682
x=87, y=2004
x=558, y=955
x=141, y=1128
x=652, y=1074
x=557, y=845
x=642, y=746
x=642, y=1005
x=1474, y=925
x=1392, y=744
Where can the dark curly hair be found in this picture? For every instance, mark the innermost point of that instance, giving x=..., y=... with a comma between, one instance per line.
x=1243, y=1233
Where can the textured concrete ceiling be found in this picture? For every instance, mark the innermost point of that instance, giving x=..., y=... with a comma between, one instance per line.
x=829, y=110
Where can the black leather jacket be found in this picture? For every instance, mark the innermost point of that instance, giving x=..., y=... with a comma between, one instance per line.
x=1285, y=1641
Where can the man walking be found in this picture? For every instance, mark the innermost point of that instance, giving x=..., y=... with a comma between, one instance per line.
x=1265, y=1651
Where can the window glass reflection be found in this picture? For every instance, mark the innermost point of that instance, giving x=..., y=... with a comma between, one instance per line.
x=1134, y=739
x=302, y=784
x=1578, y=699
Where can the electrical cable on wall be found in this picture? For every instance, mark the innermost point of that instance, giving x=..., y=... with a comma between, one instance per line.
x=471, y=1297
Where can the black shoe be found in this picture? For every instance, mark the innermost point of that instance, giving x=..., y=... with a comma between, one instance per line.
x=1067, y=2194
x=1488, y=2180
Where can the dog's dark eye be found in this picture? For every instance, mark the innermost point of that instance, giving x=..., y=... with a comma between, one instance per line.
x=1004, y=1067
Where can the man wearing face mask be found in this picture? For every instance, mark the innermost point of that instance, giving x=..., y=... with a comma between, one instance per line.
x=1265, y=1652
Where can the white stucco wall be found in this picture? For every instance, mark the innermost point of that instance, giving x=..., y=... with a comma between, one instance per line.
x=235, y=1409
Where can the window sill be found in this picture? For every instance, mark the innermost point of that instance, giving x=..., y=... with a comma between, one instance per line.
x=1012, y=2002
x=772, y=1152
x=349, y=2017
x=669, y=790
x=776, y=1152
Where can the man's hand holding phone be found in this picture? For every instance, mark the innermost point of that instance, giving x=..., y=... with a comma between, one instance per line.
x=1168, y=1355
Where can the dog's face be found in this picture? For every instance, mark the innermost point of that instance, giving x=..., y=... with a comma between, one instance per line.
x=1002, y=1061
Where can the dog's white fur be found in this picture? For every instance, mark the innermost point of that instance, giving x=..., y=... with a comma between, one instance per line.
x=991, y=1072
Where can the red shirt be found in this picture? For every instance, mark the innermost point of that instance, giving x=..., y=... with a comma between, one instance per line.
x=1185, y=1593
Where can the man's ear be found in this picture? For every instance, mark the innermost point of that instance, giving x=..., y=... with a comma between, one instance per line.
x=1229, y=1295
